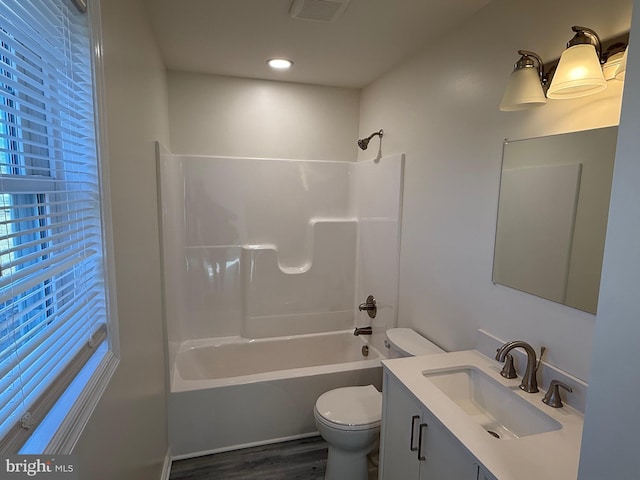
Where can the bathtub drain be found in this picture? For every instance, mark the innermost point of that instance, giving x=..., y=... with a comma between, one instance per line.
x=491, y=432
x=365, y=350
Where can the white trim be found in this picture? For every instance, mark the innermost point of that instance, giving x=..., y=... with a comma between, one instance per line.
x=68, y=434
x=100, y=109
x=166, y=466
x=246, y=445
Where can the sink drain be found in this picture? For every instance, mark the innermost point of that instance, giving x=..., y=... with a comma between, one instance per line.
x=491, y=432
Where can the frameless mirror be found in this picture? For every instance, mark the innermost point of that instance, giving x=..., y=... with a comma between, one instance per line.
x=552, y=215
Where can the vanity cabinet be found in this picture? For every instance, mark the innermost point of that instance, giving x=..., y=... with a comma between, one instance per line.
x=484, y=474
x=415, y=445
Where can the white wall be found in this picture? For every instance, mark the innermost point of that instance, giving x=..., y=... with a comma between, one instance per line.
x=225, y=116
x=610, y=442
x=441, y=109
x=126, y=437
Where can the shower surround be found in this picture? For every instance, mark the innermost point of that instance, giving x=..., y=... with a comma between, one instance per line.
x=271, y=249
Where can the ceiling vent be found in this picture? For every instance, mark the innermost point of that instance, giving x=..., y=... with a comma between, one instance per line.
x=318, y=10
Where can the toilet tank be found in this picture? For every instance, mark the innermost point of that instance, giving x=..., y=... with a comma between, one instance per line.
x=405, y=342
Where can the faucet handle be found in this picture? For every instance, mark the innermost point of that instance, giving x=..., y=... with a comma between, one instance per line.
x=542, y=350
x=369, y=306
x=509, y=370
x=552, y=397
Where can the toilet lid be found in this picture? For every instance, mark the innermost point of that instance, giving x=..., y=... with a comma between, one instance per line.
x=351, y=406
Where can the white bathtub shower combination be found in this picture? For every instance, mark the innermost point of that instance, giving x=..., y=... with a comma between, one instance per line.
x=265, y=263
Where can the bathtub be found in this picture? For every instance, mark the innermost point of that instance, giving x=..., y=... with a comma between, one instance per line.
x=229, y=393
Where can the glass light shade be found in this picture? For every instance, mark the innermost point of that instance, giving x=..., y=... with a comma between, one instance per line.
x=578, y=74
x=523, y=91
x=622, y=68
x=610, y=69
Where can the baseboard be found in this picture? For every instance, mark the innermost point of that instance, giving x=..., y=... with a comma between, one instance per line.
x=245, y=445
x=166, y=467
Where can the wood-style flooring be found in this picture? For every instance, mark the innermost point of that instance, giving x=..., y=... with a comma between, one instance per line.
x=303, y=459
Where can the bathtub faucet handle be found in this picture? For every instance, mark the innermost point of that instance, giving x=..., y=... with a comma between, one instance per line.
x=369, y=306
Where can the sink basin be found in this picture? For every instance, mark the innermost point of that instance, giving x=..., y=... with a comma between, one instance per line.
x=498, y=409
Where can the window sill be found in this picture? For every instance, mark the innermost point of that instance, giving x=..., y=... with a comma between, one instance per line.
x=60, y=430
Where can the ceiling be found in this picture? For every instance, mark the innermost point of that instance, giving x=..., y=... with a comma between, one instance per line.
x=236, y=37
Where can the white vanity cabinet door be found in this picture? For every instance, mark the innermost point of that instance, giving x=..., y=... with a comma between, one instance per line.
x=442, y=456
x=401, y=417
x=406, y=426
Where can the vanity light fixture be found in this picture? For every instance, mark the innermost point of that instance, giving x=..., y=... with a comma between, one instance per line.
x=582, y=69
x=524, y=89
x=579, y=71
x=614, y=57
x=622, y=68
x=280, y=63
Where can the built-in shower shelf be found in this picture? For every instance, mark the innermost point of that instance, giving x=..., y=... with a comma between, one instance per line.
x=313, y=224
x=322, y=285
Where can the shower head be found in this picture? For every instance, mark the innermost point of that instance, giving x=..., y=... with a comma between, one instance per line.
x=363, y=143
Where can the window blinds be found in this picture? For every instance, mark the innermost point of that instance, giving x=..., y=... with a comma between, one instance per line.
x=52, y=289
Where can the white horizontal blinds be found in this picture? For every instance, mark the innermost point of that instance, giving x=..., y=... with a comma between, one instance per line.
x=51, y=284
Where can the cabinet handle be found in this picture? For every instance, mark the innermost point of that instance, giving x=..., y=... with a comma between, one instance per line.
x=420, y=456
x=413, y=429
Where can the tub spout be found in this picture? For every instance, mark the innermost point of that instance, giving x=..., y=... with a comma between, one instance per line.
x=363, y=331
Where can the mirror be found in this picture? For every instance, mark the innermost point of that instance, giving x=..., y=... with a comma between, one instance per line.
x=552, y=215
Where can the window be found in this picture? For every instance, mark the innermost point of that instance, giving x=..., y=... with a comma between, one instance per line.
x=54, y=315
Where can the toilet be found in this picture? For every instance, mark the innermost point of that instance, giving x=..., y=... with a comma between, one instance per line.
x=348, y=418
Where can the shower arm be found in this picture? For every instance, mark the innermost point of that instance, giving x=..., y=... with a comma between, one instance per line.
x=379, y=132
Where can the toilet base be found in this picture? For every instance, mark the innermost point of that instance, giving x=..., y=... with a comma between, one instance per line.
x=343, y=465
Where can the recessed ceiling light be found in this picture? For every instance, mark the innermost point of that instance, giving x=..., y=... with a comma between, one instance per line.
x=279, y=63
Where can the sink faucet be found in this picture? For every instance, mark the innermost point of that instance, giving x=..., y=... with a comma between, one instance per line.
x=529, y=381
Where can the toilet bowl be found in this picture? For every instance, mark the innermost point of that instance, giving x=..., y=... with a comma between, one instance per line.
x=349, y=418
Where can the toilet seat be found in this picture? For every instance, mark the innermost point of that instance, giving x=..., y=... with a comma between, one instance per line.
x=350, y=408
